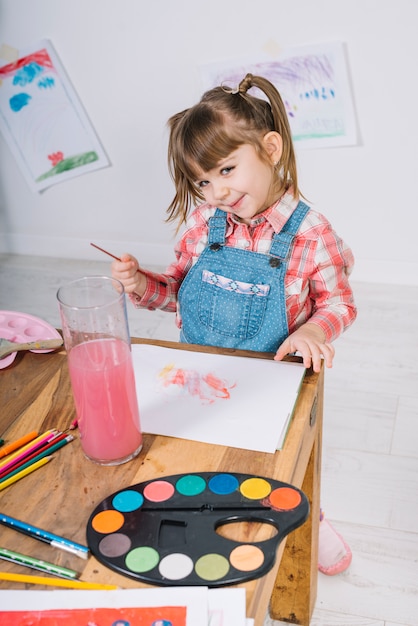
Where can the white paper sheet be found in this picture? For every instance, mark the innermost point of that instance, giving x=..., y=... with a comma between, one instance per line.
x=205, y=607
x=227, y=607
x=194, y=598
x=226, y=400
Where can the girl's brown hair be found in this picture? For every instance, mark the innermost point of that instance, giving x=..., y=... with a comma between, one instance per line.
x=222, y=121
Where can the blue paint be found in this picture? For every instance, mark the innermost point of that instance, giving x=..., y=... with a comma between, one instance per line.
x=18, y=101
x=128, y=500
x=223, y=484
x=46, y=82
x=27, y=74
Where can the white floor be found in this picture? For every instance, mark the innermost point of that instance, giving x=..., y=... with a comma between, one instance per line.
x=370, y=455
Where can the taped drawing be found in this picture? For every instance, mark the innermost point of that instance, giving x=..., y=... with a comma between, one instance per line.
x=43, y=121
x=314, y=85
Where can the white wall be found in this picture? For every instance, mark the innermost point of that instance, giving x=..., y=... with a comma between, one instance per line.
x=134, y=63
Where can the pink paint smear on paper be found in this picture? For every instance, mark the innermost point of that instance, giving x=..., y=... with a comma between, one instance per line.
x=207, y=387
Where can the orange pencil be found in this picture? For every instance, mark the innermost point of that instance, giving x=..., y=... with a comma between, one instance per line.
x=28, y=446
x=15, y=445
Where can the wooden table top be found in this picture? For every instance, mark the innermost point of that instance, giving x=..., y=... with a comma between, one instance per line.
x=35, y=394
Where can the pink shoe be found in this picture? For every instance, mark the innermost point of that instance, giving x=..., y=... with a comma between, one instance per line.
x=334, y=555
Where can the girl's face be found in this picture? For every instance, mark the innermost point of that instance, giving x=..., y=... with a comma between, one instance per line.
x=242, y=183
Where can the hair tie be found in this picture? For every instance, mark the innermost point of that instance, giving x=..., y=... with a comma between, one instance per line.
x=230, y=90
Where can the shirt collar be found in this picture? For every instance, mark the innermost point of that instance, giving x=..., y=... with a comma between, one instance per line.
x=277, y=214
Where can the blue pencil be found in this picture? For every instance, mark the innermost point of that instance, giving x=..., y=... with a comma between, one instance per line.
x=45, y=536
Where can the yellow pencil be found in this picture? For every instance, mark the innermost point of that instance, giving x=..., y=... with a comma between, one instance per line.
x=26, y=447
x=53, y=582
x=25, y=472
x=19, y=443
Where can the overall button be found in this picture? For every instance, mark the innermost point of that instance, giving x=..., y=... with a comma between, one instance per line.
x=274, y=262
x=215, y=246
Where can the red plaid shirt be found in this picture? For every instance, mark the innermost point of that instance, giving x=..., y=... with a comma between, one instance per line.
x=316, y=282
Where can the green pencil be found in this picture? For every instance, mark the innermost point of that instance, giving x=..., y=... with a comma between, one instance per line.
x=38, y=564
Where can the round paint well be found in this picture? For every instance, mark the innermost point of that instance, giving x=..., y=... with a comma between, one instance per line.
x=212, y=567
x=223, y=484
x=255, y=488
x=115, y=545
x=246, y=558
x=142, y=559
x=191, y=485
x=284, y=499
x=175, y=566
x=158, y=491
x=128, y=500
x=107, y=521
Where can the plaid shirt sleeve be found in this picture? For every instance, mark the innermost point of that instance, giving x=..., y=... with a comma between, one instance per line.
x=317, y=282
x=162, y=289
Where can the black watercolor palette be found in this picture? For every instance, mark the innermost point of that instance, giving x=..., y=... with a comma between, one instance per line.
x=163, y=531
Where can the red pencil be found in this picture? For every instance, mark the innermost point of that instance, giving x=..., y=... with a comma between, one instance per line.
x=48, y=444
x=31, y=447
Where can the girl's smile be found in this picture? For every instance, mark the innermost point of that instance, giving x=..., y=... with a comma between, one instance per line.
x=241, y=184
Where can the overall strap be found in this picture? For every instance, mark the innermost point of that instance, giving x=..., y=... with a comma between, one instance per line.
x=217, y=228
x=282, y=241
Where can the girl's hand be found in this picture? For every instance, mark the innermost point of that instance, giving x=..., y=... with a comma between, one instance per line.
x=127, y=271
x=309, y=341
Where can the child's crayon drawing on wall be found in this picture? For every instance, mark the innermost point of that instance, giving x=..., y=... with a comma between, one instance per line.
x=43, y=121
x=314, y=85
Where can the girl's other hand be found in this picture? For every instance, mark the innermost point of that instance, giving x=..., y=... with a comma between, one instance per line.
x=309, y=341
x=127, y=271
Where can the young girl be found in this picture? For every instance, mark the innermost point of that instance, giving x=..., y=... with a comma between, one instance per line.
x=256, y=268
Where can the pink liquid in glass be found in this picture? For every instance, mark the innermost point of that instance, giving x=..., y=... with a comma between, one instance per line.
x=103, y=385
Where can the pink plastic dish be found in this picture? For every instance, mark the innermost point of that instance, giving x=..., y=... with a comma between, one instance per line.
x=22, y=327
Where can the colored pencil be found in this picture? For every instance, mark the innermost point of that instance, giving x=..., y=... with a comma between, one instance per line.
x=25, y=472
x=53, y=582
x=19, y=463
x=14, y=445
x=49, y=448
x=43, y=535
x=38, y=564
x=29, y=449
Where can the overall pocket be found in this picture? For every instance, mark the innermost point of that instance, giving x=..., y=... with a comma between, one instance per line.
x=230, y=307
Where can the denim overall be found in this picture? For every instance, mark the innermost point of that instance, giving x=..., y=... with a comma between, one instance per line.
x=235, y=298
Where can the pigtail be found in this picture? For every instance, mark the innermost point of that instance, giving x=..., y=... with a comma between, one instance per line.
x=287, y=163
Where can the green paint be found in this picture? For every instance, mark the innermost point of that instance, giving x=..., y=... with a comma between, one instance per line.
x=212, y=567
x=142, y=559
x=70, y=164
